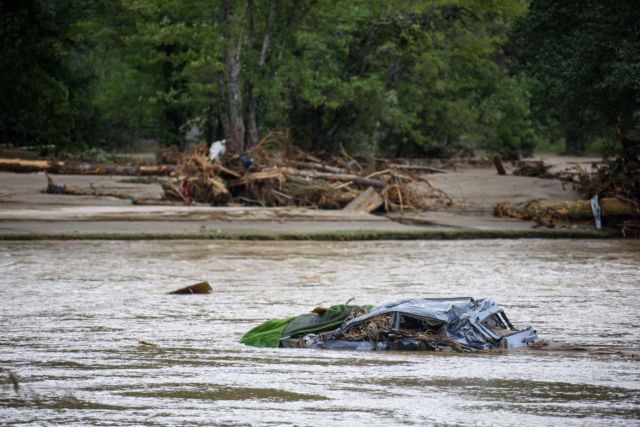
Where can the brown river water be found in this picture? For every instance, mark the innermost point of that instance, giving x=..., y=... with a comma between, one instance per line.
x=73, y=313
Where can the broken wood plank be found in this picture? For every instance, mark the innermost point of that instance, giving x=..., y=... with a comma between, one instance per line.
x=367, y=201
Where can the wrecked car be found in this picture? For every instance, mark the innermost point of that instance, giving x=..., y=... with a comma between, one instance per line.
x=420, y=324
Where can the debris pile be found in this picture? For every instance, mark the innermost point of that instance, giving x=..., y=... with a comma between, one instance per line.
x=274, y=173
x=610, y=180
x=533, y=168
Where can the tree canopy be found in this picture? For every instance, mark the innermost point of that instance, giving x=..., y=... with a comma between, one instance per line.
x=585, y=57
x=399, y=78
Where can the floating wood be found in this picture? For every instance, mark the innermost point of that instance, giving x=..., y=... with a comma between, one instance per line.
x=198, y=288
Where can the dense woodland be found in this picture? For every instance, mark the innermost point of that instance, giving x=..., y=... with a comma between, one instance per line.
x=394, y=78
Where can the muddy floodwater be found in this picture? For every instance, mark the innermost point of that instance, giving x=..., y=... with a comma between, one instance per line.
x=73, y=315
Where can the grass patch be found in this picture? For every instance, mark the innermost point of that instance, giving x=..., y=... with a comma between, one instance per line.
x=357, y=235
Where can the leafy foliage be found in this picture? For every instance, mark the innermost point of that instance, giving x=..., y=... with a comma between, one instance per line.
x=400, y=78
x=585, y=57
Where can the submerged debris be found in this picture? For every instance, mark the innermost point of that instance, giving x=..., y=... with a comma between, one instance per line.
x=427, y=324
x=198, y=288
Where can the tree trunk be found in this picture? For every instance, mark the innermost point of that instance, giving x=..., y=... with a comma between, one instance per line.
x=574, y=143
x=222, y=103
x=231, y=60
x=253, y=137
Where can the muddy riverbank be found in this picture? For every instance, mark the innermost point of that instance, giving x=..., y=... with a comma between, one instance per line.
x=25, y=210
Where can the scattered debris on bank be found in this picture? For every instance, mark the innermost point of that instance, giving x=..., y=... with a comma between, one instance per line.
x=53, y=188
x=611, y=193
x=534, y=168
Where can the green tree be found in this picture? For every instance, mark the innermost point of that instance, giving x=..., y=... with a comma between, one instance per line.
x=39, y=70
x=408, y=78
x=586, y=59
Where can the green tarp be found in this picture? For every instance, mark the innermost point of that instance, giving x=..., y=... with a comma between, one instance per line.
x=269, y=333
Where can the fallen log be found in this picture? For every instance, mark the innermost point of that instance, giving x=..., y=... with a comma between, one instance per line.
x=367, y=201
x=580, y=209
x=53, y=188
x=81, y=168
x=85, y=168
x=497, y=162
x=23, y=166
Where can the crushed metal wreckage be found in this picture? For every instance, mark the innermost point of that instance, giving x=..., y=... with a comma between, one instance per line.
x=418, y=324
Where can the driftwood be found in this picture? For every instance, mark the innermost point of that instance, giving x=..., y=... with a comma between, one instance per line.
x=548, y=212
x=420, y=168
x=533, y=168
x=81, y=168
x=342, y=177
x=497, y=162
x=319, y=166
x=367, y=201
x=53, y=188
x=581, y=209
x=23, y=166
x=198, y=288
